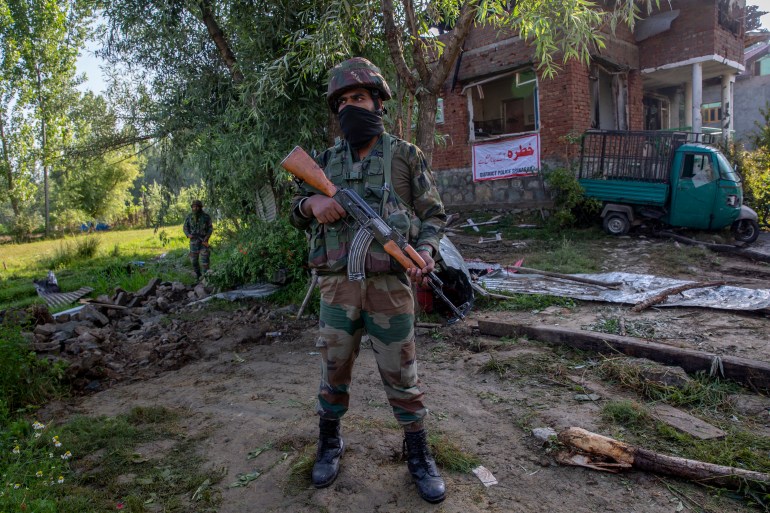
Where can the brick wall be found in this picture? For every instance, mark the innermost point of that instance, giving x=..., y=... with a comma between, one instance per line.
x=564, y=100
x=694, y=33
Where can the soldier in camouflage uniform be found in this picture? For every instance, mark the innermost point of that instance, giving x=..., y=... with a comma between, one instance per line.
x=392, y=176
x=198, y=228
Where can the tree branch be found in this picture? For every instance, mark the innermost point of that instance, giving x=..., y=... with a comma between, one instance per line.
x=453, y=46
x=218, y=36
x=393, y=38
x=418, y=45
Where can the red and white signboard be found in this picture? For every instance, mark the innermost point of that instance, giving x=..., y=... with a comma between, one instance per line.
x=508, y=158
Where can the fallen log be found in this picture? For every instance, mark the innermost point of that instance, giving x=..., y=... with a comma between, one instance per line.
x=596, y=449
x=753, y=373
x=659, y=298
x=717, y=248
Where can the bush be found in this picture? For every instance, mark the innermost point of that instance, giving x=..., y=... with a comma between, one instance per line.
x=262, y=252
x=571, y=206
x=756, y=183
x=24, y=378
x=80, y=248
x=23, y=225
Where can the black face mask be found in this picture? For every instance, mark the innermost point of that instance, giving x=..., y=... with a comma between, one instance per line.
x=359, y=125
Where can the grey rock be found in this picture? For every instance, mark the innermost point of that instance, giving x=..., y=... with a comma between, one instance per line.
x=544, y=434
x=148, y=289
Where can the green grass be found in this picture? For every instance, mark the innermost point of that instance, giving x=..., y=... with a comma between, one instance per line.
x=102, y=260
x=109, y=469
x=702, y=393
x=625, y=412
x=450, y=456
x=523, y=302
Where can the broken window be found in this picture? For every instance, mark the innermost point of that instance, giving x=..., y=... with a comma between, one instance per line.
x=504, y=105
x=730, y=16
x=609, y=98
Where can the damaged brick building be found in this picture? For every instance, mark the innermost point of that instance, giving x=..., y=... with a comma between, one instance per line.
x=503, y=122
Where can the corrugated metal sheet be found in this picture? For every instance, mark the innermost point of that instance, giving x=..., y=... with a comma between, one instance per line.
x=266, y=206
x=57, y=299
x=635, y=288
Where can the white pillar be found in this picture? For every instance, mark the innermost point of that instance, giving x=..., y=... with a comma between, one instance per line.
x=697, y=97
x=728, y=86
x=687, y=105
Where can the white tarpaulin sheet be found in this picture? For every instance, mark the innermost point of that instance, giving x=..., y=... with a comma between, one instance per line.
x=635, y=288
x=506, y=158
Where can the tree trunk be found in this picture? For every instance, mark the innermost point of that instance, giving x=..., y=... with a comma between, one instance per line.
x=8, y=169
x=426, y=123
x=44, y=148
x=207, y=15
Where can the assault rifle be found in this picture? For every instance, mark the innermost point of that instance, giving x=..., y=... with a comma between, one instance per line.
x=368, y=226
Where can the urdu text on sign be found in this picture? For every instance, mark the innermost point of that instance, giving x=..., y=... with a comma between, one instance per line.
x=508, y=158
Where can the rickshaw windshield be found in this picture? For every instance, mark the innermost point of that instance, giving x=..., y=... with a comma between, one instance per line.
x=726, y=171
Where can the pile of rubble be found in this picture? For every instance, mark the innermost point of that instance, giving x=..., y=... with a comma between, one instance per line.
x=128, y=335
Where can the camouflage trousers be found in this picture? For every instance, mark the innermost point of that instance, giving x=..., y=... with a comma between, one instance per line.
x=199, y=252
x=381, y=306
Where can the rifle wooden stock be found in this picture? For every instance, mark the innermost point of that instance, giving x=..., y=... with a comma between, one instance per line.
x=301, y=165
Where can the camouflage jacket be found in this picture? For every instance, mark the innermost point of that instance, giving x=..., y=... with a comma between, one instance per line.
x=199, y=227
x=412, y=205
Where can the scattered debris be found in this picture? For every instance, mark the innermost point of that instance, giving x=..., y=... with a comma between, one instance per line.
x=544, y=434
x=660, y=297
x=603, y=453
x=485, y=476
x=686, y=423
x=49, y=290
x=472, y=224
x=104, y=342
x=497, y=238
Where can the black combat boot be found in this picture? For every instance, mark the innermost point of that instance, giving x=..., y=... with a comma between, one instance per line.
x=330, y=449
x=422, y=466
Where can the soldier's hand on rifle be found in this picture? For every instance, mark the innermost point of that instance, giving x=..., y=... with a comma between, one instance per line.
x=323, y=208
x=420, y=276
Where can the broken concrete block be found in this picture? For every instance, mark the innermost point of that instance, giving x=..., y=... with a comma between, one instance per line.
x=92, y=314
x=148, y=289
x=200, y=291
x=45, y=330
x=121, y=299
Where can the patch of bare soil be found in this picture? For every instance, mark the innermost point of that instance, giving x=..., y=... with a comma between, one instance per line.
x=248, y=388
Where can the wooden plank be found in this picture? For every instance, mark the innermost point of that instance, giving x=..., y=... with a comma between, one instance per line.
x=686, y=423
x=754, y=374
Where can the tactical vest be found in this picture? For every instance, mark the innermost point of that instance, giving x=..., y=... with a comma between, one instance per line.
x=371, y=179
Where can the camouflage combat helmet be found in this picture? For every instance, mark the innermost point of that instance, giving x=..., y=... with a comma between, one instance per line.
x=352, y=73
x=197, y=202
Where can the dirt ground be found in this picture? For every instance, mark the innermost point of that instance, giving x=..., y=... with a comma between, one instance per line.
x=248, y=390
